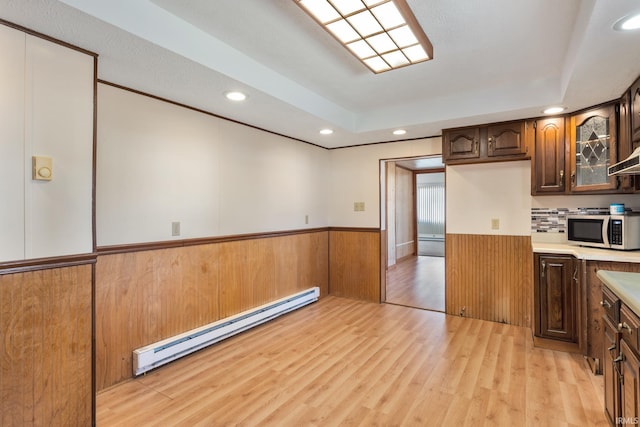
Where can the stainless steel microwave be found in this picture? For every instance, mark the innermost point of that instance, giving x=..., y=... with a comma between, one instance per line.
x=605, y=231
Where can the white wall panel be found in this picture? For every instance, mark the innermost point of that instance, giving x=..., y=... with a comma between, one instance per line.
x=159, y=163
x=274, y=183
x=59, y=124
x=355, y=177
x=12, y=45
x=475, y=194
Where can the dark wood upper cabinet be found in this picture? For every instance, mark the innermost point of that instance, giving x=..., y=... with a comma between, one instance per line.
x=462, y=143
x=507, y=139
x=594, y=148
x=634, y=112
x=549, y=156
x=486, y=143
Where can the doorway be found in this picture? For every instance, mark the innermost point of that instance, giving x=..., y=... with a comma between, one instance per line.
x=414, y=215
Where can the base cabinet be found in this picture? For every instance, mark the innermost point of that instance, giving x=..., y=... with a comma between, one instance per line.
x=621, y=361
x=629, y=386
x=610, y=371
x=556, y=297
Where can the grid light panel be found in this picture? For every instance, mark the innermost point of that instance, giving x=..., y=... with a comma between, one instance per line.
x=383, y=34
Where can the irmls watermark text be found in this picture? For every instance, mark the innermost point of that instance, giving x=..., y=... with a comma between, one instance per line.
x=627, y=421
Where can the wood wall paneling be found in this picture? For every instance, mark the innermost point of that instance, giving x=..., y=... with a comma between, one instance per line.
x=354, y=262
x=490, y=277
x=45, y=356
x=405, y=219
x=143, y=297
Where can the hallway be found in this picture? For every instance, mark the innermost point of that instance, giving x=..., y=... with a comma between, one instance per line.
x=417, y=282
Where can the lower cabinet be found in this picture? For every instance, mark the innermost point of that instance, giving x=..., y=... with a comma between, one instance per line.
x=621, y=361
x=611, y=371
x=629, y=385
x=556, y=297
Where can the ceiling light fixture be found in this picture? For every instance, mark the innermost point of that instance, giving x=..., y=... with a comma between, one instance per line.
x=553, y=110
x=235, y=96
x=326, y=131
x=383, y=34
x=629, y=22
x=399, y=132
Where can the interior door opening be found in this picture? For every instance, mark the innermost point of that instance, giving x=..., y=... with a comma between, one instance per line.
x=413, y=215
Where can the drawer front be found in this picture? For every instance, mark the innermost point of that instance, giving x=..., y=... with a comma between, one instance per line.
x=629, y=326
x=611, y=304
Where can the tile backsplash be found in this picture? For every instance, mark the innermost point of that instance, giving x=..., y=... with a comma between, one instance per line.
x=554, y=220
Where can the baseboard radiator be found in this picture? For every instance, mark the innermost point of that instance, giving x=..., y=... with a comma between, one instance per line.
x=165, y=351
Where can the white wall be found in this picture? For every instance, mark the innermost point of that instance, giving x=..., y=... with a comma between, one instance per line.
x=46, y=109
x=480, y=192
x=355, y=177
x=159, y=163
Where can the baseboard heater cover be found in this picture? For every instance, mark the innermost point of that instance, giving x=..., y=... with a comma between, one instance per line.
x=165, y=351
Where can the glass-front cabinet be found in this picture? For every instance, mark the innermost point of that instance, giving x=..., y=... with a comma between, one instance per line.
x=593, y=149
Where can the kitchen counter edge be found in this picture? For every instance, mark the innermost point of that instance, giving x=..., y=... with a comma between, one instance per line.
x=625, y=285
x=590, y=254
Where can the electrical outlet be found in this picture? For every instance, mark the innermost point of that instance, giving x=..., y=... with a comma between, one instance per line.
x=175, y=228
x=495, y=223
x=358, y=206
x=306, y=219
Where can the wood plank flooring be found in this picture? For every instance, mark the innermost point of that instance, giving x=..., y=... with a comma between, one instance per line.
x=348, y=362
x=417, y=282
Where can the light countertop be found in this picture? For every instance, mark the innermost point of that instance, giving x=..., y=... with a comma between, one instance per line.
x=580, y=252
x=625, y=285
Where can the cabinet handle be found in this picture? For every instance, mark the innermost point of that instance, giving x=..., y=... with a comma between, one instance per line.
x=476, y=144
x=562, y=178
x=619, y=358
x=605, y=304
x=624, y=325
x=573, y=178
x=612, y=347
x=575, y=275
x=490, y=144
x=544, y=266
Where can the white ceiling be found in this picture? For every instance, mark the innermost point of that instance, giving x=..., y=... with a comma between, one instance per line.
x=494, y=60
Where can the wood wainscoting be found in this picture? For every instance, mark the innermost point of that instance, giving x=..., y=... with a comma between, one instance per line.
x=149, y=295
x=489, y=277
x=45, y=347
x=354, y=262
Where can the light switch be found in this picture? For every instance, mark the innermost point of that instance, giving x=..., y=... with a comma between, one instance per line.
x=495, y=223
x=175, y=228
x=42, y=168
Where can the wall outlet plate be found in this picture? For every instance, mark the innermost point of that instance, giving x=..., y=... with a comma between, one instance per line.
x=175, y=228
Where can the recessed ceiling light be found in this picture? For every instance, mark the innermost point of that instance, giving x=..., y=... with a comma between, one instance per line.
x=399, y=132
x=235, y=96
x=326, y=131
x=553, y=110
x=629, y=22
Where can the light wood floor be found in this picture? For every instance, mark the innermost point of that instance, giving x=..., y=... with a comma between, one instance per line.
x=417, y=282
x=346, y=362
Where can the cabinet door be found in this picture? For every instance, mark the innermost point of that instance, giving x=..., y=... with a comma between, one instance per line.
x=549, y=156
x=635, y=113
x=611, y=371
x=625, y=147
x=593, y=149
x=506, y=139
x=557, y=298
x=629, y=396
x=461, y=143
